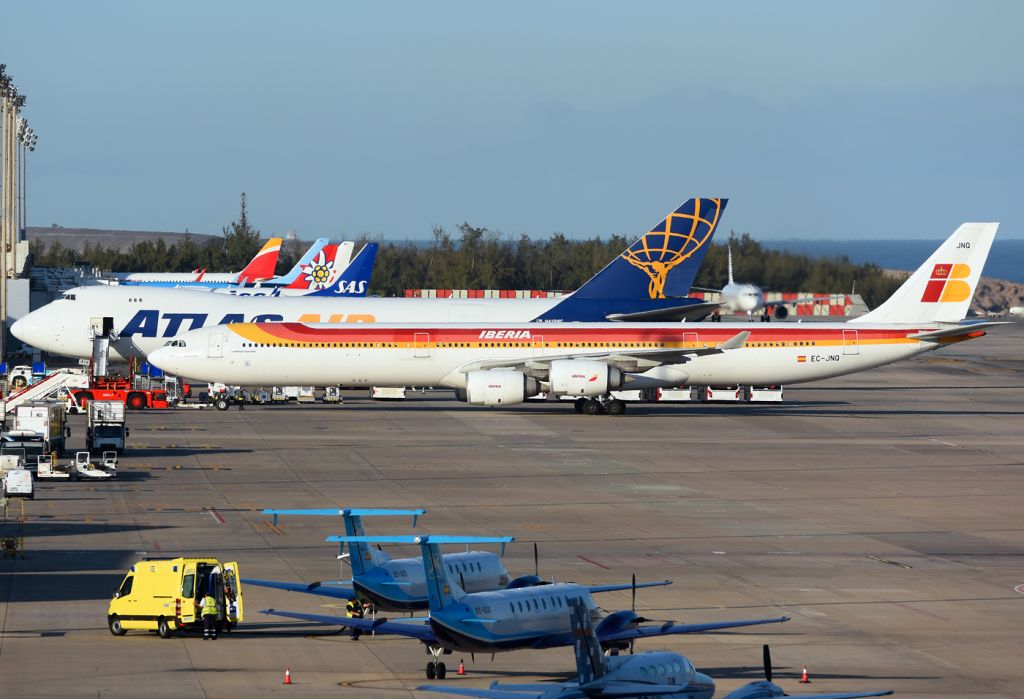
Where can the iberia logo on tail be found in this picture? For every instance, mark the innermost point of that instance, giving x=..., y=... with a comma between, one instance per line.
x=946, y=284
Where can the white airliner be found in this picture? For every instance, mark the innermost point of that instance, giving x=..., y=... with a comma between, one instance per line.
x=495, y=364
x=259, y=268
x=749, y=299
x=142, y=319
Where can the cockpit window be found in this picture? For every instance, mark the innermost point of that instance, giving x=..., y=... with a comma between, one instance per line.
x=175, y=343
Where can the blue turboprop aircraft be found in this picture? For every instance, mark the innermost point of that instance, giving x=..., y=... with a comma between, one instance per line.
x=504, y=620
x=393, y=584
x=652, y=675
x=400, y=584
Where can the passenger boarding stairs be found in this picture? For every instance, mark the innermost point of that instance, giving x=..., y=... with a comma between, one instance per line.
x=54, y=386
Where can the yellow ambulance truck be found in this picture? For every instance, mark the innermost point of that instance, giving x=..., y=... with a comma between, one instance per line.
x=163, y=595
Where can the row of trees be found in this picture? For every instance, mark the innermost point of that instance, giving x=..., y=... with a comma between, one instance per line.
x=478, y=258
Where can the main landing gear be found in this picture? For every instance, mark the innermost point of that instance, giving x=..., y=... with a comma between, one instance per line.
x=599, y=405
x=436, y=669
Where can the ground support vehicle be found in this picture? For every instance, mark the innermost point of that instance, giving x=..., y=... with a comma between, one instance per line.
x=18, y=484
x=386, y=393
x=121, y=389
x=85, y=470
x=109, y=463
x=332, y=394
x=728, y=394
x=307, y=394
x=45, y=419
x=762, y=394
x=107, y=427
x=163, y=595
x=48, y=469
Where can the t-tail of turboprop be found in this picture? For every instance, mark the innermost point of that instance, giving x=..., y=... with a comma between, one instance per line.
x=941, y=289
x=658, y=267
x=590, y=662
x=262, y=266
x=442, y=591
x=361, y=556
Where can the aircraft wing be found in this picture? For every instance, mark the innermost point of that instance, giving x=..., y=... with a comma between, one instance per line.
x=632, y=360
x=670, y=629
x=419, y=631
x=316, y=588
x=674, y=314
x=759, y=689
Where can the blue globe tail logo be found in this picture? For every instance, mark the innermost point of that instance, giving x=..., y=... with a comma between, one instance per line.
x=672, y=241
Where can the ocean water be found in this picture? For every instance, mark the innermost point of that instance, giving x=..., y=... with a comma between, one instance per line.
x=1006, y=261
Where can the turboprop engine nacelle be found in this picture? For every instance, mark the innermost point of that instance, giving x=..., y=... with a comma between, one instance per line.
x=499, y=387
x=582, y=377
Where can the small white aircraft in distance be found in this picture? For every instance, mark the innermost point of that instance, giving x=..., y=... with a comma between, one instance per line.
x=748, y=298
x=259, y=268
x=649, y=675
x=504, y=364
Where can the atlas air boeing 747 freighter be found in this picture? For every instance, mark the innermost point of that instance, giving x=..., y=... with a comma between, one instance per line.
x=504, y=364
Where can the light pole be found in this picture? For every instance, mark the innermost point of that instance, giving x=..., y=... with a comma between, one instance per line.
x=28, y=139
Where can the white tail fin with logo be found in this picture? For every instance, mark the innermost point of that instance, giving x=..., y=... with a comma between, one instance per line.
x=941, y=289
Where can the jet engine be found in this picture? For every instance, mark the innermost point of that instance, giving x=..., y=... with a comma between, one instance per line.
x=781, y=312
x=583, y=377
x=499, y=387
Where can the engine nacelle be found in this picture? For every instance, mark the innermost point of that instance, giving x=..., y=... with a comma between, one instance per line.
x=499, y=387
x=781, y=312
x=583, y=377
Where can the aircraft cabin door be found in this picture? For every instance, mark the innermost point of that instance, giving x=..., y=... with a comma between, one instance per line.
x=538, y=345
x=851, y=342
x=419, y=344
x=690, y=340
x=216, y=349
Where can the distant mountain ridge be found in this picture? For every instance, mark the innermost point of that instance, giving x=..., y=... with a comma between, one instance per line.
x=76, y=238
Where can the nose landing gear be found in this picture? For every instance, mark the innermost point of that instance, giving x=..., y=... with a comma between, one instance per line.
x=436, y=669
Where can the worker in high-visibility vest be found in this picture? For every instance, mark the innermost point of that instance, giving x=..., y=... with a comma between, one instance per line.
x=354, y=610
x=208, y=607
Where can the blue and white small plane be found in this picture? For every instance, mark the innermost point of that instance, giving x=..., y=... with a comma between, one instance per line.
x=653, y=675
x=393, y=584
x=504, y=620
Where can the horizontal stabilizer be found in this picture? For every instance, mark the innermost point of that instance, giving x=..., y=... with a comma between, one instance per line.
x=673, y=314
x=316, y=588
x=965, y=331
x=496, y=692
x=670, y=629
x=419, y=631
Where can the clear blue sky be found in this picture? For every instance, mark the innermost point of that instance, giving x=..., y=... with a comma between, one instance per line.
x=818, y=119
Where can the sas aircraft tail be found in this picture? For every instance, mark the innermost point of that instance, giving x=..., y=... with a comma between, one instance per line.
x=941, y=289
x=353, y=279
x=260, y=267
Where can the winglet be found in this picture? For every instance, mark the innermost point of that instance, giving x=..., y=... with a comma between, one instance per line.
x=736, y=341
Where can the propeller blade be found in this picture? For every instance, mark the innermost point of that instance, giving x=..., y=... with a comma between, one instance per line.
x=634, y=592
x=766, y=659
x=536, y=560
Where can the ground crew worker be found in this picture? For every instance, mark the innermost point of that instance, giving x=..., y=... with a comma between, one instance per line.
x=355, y=610
x=240, y=399
x=208, y=605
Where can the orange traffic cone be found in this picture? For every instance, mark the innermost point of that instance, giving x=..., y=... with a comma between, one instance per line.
x=804, y=679
x=462, y=668
x=287, y=676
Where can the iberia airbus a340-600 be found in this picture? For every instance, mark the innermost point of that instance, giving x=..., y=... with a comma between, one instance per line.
x=494, y=364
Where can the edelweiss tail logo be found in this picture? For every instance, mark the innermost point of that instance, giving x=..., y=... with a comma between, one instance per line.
x=946, y=284
x=319, y=271
x=673, y=240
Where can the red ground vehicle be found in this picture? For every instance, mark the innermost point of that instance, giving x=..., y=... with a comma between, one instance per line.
x=120, y=389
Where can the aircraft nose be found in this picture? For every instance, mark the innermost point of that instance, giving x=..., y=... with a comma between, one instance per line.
x=164, y=358
x=27, y=329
